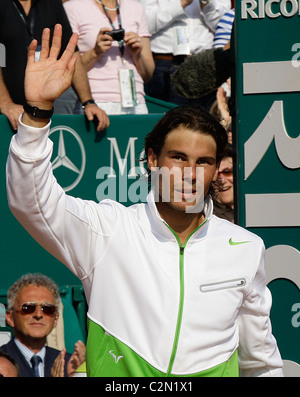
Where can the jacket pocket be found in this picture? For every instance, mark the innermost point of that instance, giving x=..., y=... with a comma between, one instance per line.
x=236, y=283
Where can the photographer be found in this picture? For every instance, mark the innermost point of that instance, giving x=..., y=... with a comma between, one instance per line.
x=114, y=42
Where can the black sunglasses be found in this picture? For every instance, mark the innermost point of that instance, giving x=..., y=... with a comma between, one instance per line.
x=30, y=307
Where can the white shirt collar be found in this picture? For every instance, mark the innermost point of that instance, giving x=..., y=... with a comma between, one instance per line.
x=27, y=353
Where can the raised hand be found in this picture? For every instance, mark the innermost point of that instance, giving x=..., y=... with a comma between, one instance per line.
x=48, y=78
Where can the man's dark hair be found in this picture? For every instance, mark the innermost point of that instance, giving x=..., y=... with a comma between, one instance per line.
x=191, y=117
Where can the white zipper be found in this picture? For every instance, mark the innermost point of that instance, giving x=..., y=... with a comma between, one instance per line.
x=240, y=282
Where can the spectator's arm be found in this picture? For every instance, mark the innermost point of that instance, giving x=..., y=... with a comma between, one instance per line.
x=7, y=107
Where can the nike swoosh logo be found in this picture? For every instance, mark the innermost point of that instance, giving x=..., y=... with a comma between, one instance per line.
x=237, y=242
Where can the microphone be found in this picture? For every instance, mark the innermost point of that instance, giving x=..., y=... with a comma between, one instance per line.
x=202, y=73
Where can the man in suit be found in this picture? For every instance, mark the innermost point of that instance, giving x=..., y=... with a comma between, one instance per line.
x=32, y=312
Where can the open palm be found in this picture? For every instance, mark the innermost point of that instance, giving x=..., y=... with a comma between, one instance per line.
x=48, y=78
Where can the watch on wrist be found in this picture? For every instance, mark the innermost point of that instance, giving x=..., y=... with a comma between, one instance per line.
x=87, y=103
x=38, y=113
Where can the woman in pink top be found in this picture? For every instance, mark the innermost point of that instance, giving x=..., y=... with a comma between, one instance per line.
x=118, y=63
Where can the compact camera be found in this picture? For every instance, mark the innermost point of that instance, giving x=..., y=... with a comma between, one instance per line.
x=117, y=34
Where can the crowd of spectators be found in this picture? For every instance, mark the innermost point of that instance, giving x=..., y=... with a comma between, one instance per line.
x=114, y=71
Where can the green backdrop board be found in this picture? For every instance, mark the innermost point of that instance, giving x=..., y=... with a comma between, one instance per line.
x=267, y=85
x=87, y=164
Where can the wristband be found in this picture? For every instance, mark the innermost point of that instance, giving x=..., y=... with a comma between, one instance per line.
x=38, y=113
x=87, y=103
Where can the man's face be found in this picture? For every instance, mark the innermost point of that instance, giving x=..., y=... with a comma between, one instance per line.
x=190, y=156
x=36, y=325
x=225, y=177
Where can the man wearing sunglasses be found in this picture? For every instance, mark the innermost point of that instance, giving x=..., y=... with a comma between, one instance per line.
x=32, y=312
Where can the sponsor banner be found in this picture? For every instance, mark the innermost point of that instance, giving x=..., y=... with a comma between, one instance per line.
x=266, y=88
x=87, y=164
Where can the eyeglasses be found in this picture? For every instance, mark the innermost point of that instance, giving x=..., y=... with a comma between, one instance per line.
x=227, y=172
x=30, y=307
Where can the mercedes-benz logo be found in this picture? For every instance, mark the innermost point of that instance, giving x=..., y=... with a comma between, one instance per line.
x=70, y=159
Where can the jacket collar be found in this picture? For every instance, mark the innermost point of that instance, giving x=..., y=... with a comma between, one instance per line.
x=159, y=226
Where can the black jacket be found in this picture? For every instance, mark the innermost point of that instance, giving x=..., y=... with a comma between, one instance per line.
x=25, y=370
x=17, y=31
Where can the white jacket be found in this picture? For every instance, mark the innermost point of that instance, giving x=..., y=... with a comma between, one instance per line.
x=179, y=310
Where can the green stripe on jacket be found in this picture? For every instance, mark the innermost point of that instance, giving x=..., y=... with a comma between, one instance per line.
x=108, y=357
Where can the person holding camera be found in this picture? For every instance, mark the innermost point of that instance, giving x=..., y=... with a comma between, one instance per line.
x=115, y=47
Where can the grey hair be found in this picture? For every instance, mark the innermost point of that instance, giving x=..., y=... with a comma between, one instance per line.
x=37, y=279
